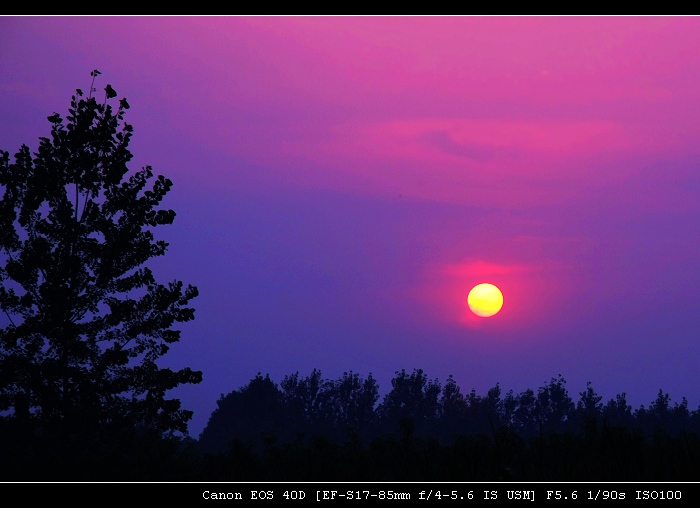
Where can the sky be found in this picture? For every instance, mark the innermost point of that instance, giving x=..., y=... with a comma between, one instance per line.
x=342, y=183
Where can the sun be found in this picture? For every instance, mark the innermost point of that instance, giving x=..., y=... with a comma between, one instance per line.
x=485, y=300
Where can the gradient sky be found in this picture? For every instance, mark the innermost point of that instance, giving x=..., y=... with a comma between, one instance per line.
x=342, y=183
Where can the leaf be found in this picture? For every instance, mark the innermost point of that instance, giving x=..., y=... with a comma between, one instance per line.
x=111, y=93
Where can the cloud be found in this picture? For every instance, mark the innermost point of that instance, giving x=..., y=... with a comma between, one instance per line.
x=485, y=268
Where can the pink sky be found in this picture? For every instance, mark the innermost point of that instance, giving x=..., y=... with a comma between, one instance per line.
x=342, y=183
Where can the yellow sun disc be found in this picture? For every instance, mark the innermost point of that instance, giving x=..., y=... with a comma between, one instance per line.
x=485, y=300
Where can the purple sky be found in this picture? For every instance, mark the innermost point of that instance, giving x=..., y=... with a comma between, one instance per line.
x=341, y=184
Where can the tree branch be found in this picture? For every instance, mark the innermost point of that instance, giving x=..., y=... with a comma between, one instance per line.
x=10, y=318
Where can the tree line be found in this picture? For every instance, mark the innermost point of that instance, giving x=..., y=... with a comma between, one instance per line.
x=314, y=428
x=348, y=408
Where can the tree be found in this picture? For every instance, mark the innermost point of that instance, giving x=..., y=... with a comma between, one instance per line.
x=250, y=414
x=589, y=409
x=411, y=397
x=553, y=407
x=452, y=409
x=524, y=412
x=86, y=319
x=351, y=400
x=306, y=401
x=617, y=412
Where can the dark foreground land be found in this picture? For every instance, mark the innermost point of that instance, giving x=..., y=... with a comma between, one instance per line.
x=310, y=429
x=602, y=454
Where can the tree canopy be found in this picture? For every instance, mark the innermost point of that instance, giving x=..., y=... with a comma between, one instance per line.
x=86, y=320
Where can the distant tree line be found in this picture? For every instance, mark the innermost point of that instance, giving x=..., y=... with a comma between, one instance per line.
x=311, y=428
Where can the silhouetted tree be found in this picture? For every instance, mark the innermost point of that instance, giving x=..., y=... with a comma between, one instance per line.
x=589, y=410
x=662, y=415
x=589, y=405
x=680, y=416
x=660, y=412
x=492, y=407
x=86, y=320
x=306, y=403
x=524, y=414
x=452, y=410
x=336, y=409
x=507, y=409
x=253, y=414
x=617, y=412
x=480, y=412
x=412, y=397
x=553, y=406
x=350, y=401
